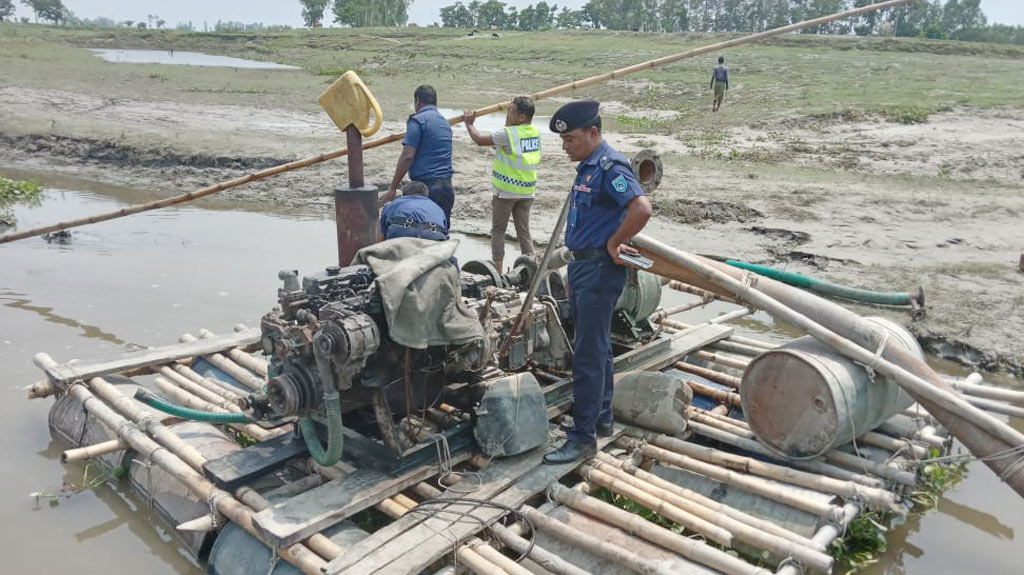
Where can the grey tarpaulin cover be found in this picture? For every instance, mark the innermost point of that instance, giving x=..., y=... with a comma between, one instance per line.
x=421, y=292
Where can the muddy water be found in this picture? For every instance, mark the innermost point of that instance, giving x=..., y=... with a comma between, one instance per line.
x=146, y=279
x=181, y=58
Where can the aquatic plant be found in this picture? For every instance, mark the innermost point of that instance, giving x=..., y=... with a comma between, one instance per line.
x=14, y=192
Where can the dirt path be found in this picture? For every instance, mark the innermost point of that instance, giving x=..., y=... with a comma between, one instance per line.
x=866, y=202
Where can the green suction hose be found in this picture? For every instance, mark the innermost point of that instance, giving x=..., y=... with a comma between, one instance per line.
x=332, y=453
x=160, y=404
x=829, y=288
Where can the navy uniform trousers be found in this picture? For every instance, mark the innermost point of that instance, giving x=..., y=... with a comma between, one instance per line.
x=594, y=287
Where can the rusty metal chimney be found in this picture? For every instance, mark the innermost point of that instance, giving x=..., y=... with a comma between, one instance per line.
x=355, y=206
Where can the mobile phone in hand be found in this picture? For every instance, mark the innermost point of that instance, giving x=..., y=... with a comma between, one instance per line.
x=637, y=260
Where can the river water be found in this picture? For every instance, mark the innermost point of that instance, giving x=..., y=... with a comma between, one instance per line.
x=146, y=279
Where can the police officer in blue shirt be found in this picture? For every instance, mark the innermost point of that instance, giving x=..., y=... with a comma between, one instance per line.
x=427, y=152
x=606, y=209
x=413, y=215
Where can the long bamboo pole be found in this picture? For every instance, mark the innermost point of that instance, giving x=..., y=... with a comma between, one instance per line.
x=499, y=107
x=228, y=366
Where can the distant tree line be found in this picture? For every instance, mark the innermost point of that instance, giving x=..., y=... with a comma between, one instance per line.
x=951, y=19
x=356, y=13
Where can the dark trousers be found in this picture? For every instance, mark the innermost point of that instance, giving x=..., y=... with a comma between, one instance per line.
x=443, y=194
x=594, y=287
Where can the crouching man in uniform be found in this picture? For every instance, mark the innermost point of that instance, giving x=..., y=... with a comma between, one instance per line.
x=413, y=215
x=607, y=208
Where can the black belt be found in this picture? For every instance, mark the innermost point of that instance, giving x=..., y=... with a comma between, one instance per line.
x=434, y=181
x=413, y=224
x=589, y=254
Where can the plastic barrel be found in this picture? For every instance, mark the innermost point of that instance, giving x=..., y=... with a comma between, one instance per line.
x=803, y=399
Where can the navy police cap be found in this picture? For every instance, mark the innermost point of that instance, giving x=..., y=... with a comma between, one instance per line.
x=576, y=114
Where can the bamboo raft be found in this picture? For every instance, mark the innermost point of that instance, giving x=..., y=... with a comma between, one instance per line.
x=717, y=486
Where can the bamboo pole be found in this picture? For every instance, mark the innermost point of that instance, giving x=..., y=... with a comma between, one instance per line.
x=827, y=534
x=701, y=423
x=619, y=556
x=780, y=547
x=842, y=487
x=202, y=387
x=719, y=295
x=539, y=555
x=972, y=385
x=810, y=465
x=747, y=341
x=684, y=517
x=93, y=451
x=895, y=444
x=493, y=108
x=733, y=347
x=751, y=483
x=221, y=388
x=994, y=406
x=715, y=506
x=988, y=438
x=688, y=548
x=298, y=555
x=183, y=397
x=710, y=374
x=494, y=556
x=242, y=375
x=239, y=356
x=722, y=359
x=722, y=395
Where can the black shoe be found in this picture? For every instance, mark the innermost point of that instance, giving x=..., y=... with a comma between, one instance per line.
x=606, y=429
x=571, y=451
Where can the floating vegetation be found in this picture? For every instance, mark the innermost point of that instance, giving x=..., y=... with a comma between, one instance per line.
x=14, y=192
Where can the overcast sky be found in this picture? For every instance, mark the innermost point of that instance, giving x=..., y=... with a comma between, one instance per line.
x=288, y=12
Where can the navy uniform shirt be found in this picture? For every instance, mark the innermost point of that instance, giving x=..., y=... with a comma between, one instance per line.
x=604, y=185
x=430, y=134
x=418, y=209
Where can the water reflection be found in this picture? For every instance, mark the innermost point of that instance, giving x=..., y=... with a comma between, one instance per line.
x=177, y=57
x=47, y=314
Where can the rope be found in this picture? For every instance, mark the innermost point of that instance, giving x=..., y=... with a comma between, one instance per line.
x=213, y=500
x=445, y=470
x=421, y=508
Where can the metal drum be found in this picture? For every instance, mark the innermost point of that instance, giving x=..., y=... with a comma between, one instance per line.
x=803, y=399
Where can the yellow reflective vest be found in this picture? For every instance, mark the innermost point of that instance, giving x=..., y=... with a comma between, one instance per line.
x=515, y=171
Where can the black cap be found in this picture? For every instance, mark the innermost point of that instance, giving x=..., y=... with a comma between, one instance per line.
x=576, y=114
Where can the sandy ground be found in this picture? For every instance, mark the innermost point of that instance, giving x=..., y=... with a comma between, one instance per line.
x=867, y=202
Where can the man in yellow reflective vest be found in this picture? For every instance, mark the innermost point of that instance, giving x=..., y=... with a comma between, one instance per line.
x=514, y=175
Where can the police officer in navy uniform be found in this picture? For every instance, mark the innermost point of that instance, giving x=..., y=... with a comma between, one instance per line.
x=414, y=215
x=606, y=209
x=427, y=152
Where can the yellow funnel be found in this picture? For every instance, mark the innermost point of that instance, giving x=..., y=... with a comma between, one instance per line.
x=348, y=102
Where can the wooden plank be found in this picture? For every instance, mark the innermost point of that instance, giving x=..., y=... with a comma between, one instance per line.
x=65, y=374
x=245, y=465
x=319, y=508
x=508, y=482
x=685, y=343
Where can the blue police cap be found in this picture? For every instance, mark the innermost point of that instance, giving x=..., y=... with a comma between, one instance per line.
x=576, y=114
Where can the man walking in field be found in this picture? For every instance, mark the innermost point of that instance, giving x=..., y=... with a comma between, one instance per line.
x=719, y=83
x=514, y=175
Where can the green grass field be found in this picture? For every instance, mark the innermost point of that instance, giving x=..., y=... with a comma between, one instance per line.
x=902, y=79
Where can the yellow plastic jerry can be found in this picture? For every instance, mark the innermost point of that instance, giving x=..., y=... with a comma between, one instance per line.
x=349, y=102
